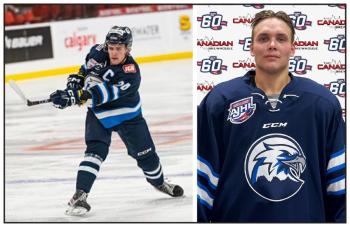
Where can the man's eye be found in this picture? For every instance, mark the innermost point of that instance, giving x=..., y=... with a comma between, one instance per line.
x=282, y=39
x=263, y=39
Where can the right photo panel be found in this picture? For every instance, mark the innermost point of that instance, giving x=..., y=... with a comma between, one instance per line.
x=271, y=113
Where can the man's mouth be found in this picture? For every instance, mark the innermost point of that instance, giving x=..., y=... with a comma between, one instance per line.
x=272, y=56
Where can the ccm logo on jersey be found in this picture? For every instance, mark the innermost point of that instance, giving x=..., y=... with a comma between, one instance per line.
x=275, y=125
x=129, y=68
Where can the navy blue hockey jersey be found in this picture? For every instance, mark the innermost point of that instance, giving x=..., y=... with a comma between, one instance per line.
x=116, y=99
x=262, y=164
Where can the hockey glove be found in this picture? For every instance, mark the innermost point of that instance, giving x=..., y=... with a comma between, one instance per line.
x=75, y=81
x=62, y=99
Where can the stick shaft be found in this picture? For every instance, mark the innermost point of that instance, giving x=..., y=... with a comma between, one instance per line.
x=28, y=102
x=18, y=90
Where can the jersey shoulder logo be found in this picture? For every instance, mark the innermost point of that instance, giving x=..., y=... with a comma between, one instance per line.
x=241, y=110
x=273, y=167
x=129, y=68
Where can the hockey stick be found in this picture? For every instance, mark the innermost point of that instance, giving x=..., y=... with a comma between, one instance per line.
x=23, y=97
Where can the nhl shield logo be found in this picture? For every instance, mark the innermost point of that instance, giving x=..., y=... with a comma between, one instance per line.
x=241, y=110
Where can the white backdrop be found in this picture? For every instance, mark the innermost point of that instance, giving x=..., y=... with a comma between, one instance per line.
x=223, y=38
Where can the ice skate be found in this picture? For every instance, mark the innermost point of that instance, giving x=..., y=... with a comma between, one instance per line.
x=78, y=205
x=170, y=189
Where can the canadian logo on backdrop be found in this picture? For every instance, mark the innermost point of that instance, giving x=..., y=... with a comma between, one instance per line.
x=332, y=66
x=299, y=20
x=212, y=65
x=337, y=87
x=205, y=86
x=246, y=42
x=299, y=65
x=245, y=20
x=212, y=44
x=332, y=22
x=247, y=64
x=80, y=41
x=255, y=6
x=337, y=43
x=305, y=44
x=213, y=20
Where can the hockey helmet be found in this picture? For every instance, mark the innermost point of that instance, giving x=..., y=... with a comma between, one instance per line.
x=119, y=35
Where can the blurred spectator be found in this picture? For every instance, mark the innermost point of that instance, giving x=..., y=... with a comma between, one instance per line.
x=56, y=12
x=9, y=17
x=42, y=12
x=67, y=12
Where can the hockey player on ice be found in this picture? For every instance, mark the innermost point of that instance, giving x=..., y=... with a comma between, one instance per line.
x=111, y=78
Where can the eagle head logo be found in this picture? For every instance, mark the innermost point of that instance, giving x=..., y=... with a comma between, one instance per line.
x=274, y=165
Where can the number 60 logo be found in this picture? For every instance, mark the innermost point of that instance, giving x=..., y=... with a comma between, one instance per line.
x=298, y=65
x=299, y=20
x=213, y=20
x=212, y=65
x=336, y=43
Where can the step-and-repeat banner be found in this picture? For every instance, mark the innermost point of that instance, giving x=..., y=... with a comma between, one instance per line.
x=224, y=38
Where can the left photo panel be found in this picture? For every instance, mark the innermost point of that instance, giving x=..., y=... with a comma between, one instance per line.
x=98, y=113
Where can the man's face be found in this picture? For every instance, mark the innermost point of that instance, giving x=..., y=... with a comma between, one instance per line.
x=117, y=53
x=272, y=46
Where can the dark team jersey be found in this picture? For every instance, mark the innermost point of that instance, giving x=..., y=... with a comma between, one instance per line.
x=116, y=99
x=257, y=163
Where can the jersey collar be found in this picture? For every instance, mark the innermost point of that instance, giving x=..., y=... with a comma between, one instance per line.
x=249, y=78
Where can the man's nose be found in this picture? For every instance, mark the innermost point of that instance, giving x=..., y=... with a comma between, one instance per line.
x=272, y=44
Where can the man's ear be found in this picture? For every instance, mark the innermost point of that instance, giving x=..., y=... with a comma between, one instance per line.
x=252, y=50
x=292, y=50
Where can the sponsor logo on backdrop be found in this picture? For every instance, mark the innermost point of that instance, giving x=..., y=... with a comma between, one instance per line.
x=27, y=44
x=299, y=20
x=305, y=44
x=337, y=43
x=245, y=20
x=212, y=44
x=80, y=41
x=255, y=6
x=340, y=6
x=185, y=23
x=146, y=32
x=247, y=64
x=333, y=66
x=246, y=42
x=212, y=65
x=332, y=22
x=213, y=20
x=205, y=86
x=299, y=65
x=337, y=87
x=23, y=42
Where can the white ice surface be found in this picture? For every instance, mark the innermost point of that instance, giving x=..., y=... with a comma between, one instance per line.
x=44, y=146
